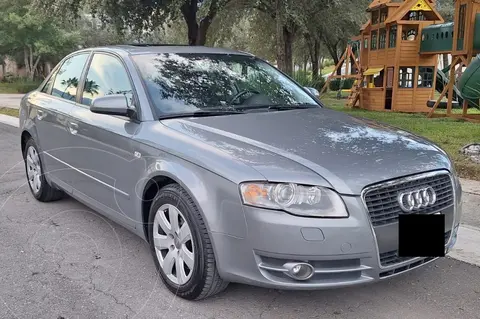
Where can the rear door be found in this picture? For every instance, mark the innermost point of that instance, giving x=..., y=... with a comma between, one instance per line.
x=51, y=108
x=102, y=150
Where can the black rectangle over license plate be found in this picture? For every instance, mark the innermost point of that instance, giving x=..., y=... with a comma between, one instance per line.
x=421, y=235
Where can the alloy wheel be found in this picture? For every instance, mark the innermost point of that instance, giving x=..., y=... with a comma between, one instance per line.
x=34, y=169
x=173, y=243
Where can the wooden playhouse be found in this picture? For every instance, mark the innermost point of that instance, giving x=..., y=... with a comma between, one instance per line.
x=394, y=75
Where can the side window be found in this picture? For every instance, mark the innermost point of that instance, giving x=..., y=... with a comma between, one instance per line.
x=47, y=85
x=66, y=81
x=106, y=76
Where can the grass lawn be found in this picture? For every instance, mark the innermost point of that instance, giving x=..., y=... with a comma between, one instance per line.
x=9, y=111
x=18, y=86
x=450, y=134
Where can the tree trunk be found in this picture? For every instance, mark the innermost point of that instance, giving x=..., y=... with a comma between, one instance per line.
x=288, y=38
x=197, y=32
x=333, y=50
x=189, y=12
x=25, y=60
x=281, y=59
x=315, y=60
x=34, y=68
x=321, y=59
x=202, y=33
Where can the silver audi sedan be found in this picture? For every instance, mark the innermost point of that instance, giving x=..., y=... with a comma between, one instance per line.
x=230, y=170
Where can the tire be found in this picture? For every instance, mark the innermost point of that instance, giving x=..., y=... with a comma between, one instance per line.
x=204, y=280
x=44, y=192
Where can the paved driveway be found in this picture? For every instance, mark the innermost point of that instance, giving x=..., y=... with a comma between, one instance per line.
x=10, y=100
x=61, y=260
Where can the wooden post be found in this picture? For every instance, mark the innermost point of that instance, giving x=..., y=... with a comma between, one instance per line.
x=445, y=88
x=451, y=81
x=333, y=72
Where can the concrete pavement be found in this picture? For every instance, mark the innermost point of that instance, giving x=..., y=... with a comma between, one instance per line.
x=62, y=260
x=10, y=100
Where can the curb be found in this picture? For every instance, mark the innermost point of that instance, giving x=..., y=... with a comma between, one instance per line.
x=11, y=107
x=9, y=120
x=470, y=186
x=467, y=247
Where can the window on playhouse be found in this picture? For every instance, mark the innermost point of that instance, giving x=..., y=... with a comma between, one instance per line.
x=382, y=38
x=410, y=33
x=405, y=77
x=416, y=15
x=383, y=14
x=375, y=17
x=365, y=43
x=392, y=36
x=378, y=79
x=425, y=76
x=373, y=42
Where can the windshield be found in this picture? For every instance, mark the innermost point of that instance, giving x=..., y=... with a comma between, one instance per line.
x=180, y=83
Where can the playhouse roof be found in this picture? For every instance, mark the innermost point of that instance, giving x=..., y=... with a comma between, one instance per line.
x=366, y=25
x=377, y=3
x=413, y=5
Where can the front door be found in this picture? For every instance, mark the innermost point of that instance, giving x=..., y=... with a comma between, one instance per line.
x=107, y=169
x=389, y=89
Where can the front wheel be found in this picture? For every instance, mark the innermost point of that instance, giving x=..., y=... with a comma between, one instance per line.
x=181, y=247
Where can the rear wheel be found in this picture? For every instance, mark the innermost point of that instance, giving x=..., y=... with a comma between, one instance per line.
x=181, y=246
x=39, y=187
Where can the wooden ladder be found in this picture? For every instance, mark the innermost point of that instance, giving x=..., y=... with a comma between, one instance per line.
x=354, y=94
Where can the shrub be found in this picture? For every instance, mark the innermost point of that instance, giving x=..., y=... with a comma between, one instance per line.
x=335, y=84
x=348, y=83
x=341, y=84
x=18, y=85
x=305, y=79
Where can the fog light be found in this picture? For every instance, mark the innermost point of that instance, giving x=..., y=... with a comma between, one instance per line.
x=299, y=271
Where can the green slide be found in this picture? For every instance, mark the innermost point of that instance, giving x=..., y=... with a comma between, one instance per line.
x=469, y=83
x=461, y=91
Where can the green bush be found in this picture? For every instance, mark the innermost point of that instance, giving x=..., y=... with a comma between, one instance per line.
x=18, y=85
x=341, y=84
x=335, y=84
x=348, y=83
x=305, y=79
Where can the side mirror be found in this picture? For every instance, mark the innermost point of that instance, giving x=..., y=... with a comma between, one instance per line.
x=115, y=104
x=314, y=91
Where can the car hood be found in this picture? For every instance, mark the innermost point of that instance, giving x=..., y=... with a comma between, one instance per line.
x=348, y=152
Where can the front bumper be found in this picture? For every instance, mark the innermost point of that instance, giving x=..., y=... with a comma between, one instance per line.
x=343, y=252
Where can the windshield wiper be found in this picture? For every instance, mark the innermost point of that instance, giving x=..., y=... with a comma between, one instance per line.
x=196, y=114
x=291, y=107
x=275, y=106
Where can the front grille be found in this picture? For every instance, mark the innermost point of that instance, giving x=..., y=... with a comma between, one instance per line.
x=383, y=205
x=391, y=257
x=405, y=268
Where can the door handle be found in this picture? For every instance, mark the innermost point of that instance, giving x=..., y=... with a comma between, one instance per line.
x=40, y=114
x=73, y=128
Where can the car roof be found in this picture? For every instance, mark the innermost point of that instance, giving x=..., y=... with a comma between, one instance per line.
x=135, y=49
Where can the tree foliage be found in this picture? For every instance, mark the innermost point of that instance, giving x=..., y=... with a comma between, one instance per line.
x=138, y=16
x=26, y=32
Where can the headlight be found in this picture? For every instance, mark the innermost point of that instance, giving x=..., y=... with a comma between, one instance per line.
x=312, y=201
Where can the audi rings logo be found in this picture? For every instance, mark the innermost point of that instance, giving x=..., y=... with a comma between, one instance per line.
x=416, y=199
